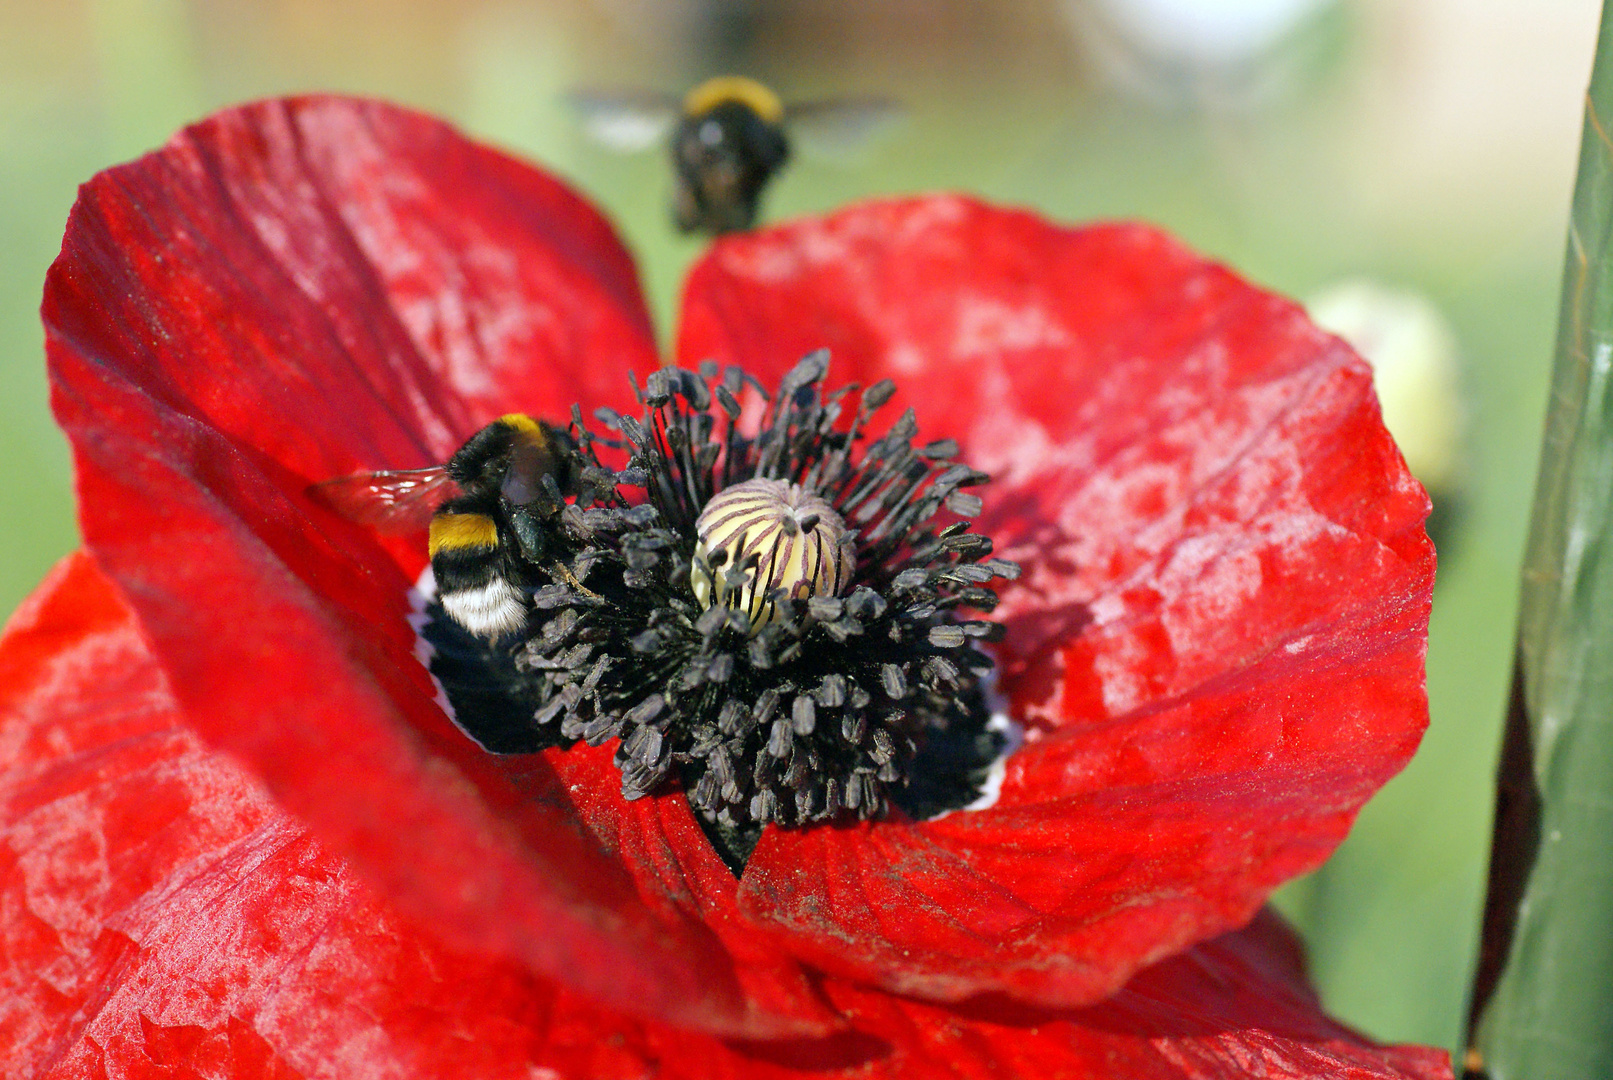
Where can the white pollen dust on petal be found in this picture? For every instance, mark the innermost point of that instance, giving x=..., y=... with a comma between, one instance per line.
x=991, y=788
x=1013, y=736
x=420, y=597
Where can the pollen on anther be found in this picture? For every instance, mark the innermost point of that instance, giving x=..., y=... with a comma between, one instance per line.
x=764, y=540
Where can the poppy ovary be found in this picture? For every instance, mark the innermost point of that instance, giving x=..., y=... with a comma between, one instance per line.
x=762, y=542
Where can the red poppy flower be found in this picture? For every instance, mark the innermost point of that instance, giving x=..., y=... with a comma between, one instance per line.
x=243, y=838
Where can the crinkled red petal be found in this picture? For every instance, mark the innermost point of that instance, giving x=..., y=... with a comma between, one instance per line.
x=288, y=292
x=161, y=916
x=1218, y=636
x=679, y=874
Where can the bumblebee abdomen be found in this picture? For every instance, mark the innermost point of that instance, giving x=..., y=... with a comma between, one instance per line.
x=476, y=582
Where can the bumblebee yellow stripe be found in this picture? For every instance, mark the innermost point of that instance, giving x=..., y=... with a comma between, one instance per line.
x=456, y=532
x=713, y=92
x=521, y=422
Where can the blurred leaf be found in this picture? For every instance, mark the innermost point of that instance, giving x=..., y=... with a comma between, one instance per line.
x=1551, y=1013
x=146, y=55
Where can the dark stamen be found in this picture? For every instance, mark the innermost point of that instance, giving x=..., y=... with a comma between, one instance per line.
x=768, y=614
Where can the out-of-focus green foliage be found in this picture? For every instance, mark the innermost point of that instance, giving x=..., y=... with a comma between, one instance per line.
x=1551, y=1017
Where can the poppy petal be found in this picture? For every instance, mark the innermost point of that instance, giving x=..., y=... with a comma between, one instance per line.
x=284, y=293
x=1218, y=635
x=1236, y=1006
x=677, y=871
x=160, y=915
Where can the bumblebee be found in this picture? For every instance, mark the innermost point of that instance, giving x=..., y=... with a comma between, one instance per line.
x=729, y=137
x=491, y=510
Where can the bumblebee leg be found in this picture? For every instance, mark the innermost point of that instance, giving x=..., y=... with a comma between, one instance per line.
x=531, y=536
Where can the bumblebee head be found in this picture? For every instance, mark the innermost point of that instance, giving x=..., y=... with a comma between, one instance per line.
x=511, y=457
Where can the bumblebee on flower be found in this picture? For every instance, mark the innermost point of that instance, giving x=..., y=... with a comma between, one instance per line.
x=729, y=626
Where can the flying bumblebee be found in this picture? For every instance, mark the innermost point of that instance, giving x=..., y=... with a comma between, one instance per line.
x=729, y=136
x=490, y=510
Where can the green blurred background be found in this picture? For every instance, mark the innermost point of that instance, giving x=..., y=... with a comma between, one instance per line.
x=1424, y=144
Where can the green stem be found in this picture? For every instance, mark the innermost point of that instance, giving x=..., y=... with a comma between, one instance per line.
x=1549, y=924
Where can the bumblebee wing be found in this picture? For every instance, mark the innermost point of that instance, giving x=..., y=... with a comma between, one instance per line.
x=398, y=501
x=530, y=460
x=841, y=128
x=625, y=120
